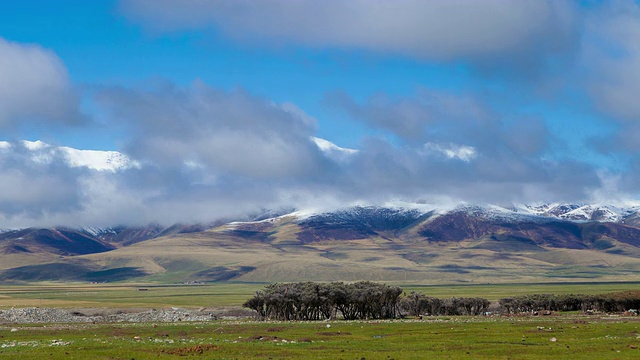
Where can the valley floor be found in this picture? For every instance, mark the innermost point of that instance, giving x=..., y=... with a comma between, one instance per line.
x=149, y=321
x=232, y=295
x=558, y=337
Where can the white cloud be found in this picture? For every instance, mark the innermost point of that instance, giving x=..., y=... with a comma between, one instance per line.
x=452, y=151
x=204, y=154
x=612, y=58
x=437, y=29
x=334, y=151
x=226, y=132
x=34, y=87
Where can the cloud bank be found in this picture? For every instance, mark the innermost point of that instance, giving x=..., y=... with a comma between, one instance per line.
x=34, y=88
x=438, y=30
x=203, y=153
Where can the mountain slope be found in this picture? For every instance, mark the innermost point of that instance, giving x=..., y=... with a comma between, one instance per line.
x=407, y=244
x=62, y=241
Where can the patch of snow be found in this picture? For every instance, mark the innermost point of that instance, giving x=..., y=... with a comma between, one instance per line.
x=332, y=150
x=97, y=159
x=93, y=231
x=539, y=213
x=43, y=153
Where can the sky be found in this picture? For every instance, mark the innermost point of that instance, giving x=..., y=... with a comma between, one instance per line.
x=227, y=108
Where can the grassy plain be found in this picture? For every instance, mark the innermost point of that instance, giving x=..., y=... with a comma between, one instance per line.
x=234, y=294
x=125, y=295
x=576, y=337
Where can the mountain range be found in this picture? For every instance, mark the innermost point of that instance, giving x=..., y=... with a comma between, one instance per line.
x=404, y=242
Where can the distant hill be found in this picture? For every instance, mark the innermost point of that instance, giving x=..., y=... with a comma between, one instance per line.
x=413, y=243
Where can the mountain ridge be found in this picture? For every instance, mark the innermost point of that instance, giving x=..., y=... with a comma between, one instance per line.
x=463, y=243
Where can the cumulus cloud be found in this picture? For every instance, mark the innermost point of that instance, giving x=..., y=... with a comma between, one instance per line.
x=33, y=186
x=34, y=87
x=224, y=132
x=203, y=154
x=451, y=151
x=198, y=153
x=610, y=64
x=612, y=58
x=42, y=186
x=193, y=154
x=520, y=33
x=438, y=117
x=460, y=146
x=416, y=118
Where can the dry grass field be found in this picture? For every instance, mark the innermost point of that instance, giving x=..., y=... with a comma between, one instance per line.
x=77, y=295
x=375, y=259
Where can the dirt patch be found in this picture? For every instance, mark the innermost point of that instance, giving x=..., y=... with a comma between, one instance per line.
x=275, y=329
x=336, y=333
x=191, y=350
x=119, y=332
x=105, y=311
x=261, y=338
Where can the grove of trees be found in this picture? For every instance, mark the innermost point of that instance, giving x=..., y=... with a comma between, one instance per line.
x=612, y=302
x=370, y=300
x=416, y=303
x=318, y=301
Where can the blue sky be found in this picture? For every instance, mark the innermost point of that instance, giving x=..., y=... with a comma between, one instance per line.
x=492, y=101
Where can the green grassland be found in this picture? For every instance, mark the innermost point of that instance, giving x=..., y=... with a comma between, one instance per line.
x=126, y=295
x=576, y=337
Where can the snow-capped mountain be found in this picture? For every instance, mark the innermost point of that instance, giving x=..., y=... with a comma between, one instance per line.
x=103, y=160
x=409, y=239
x=579, y=213
x=584, y=212
x=97, y=160
x=41, y=152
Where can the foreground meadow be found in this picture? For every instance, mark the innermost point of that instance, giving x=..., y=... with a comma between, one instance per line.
x=559, y=337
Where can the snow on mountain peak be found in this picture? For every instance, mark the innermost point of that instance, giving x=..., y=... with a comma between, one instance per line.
x=41, y=152
x=513, y=213
x=332, y=150
x=97, y=159
x=582, y=212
